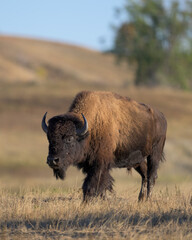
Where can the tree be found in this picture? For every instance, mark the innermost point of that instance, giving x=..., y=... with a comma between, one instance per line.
x=157, y=38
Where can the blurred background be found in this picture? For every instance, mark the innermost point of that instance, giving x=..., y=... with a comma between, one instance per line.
x=51, y=50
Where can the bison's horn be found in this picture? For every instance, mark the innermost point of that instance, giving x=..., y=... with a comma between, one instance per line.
x=84, y=129
x=43, y=123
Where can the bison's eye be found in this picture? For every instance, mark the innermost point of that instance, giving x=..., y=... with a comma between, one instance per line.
x=69, y=139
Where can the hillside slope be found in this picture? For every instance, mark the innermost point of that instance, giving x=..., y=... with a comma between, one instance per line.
x=29, y=60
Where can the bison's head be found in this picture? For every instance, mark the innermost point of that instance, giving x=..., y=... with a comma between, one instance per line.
x=66, y=134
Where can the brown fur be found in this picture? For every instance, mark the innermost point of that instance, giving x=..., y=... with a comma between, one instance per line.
x=122, y=132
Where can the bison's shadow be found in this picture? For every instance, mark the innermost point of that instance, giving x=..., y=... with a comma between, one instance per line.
x=96, y=221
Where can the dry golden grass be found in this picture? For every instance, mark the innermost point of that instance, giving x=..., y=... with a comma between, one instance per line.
x=32, y=203
x=39, y=212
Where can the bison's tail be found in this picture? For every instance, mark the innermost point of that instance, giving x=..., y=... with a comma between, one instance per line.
x=163, y=157
x=162, y=149
x=158, y=151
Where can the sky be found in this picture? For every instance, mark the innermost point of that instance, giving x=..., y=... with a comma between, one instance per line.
x=86, y=23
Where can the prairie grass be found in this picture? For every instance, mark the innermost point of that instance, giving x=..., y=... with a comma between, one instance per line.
x=43, y=212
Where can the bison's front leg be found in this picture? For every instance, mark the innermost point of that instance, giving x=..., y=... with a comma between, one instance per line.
x=97, y=182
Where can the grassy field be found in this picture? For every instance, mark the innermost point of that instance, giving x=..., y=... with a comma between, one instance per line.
x=34, y=205
x=53, y=212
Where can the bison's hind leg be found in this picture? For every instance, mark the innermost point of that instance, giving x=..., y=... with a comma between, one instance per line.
x=142, y=170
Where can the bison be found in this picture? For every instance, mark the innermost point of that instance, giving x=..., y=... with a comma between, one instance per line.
x=101, y=131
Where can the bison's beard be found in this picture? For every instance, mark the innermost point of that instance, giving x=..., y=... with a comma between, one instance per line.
x=59, y=173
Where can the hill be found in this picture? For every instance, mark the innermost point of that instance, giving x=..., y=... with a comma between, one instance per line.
x=30, y=60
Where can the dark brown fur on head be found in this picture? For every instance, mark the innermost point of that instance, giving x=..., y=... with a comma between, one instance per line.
x=64, y=143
